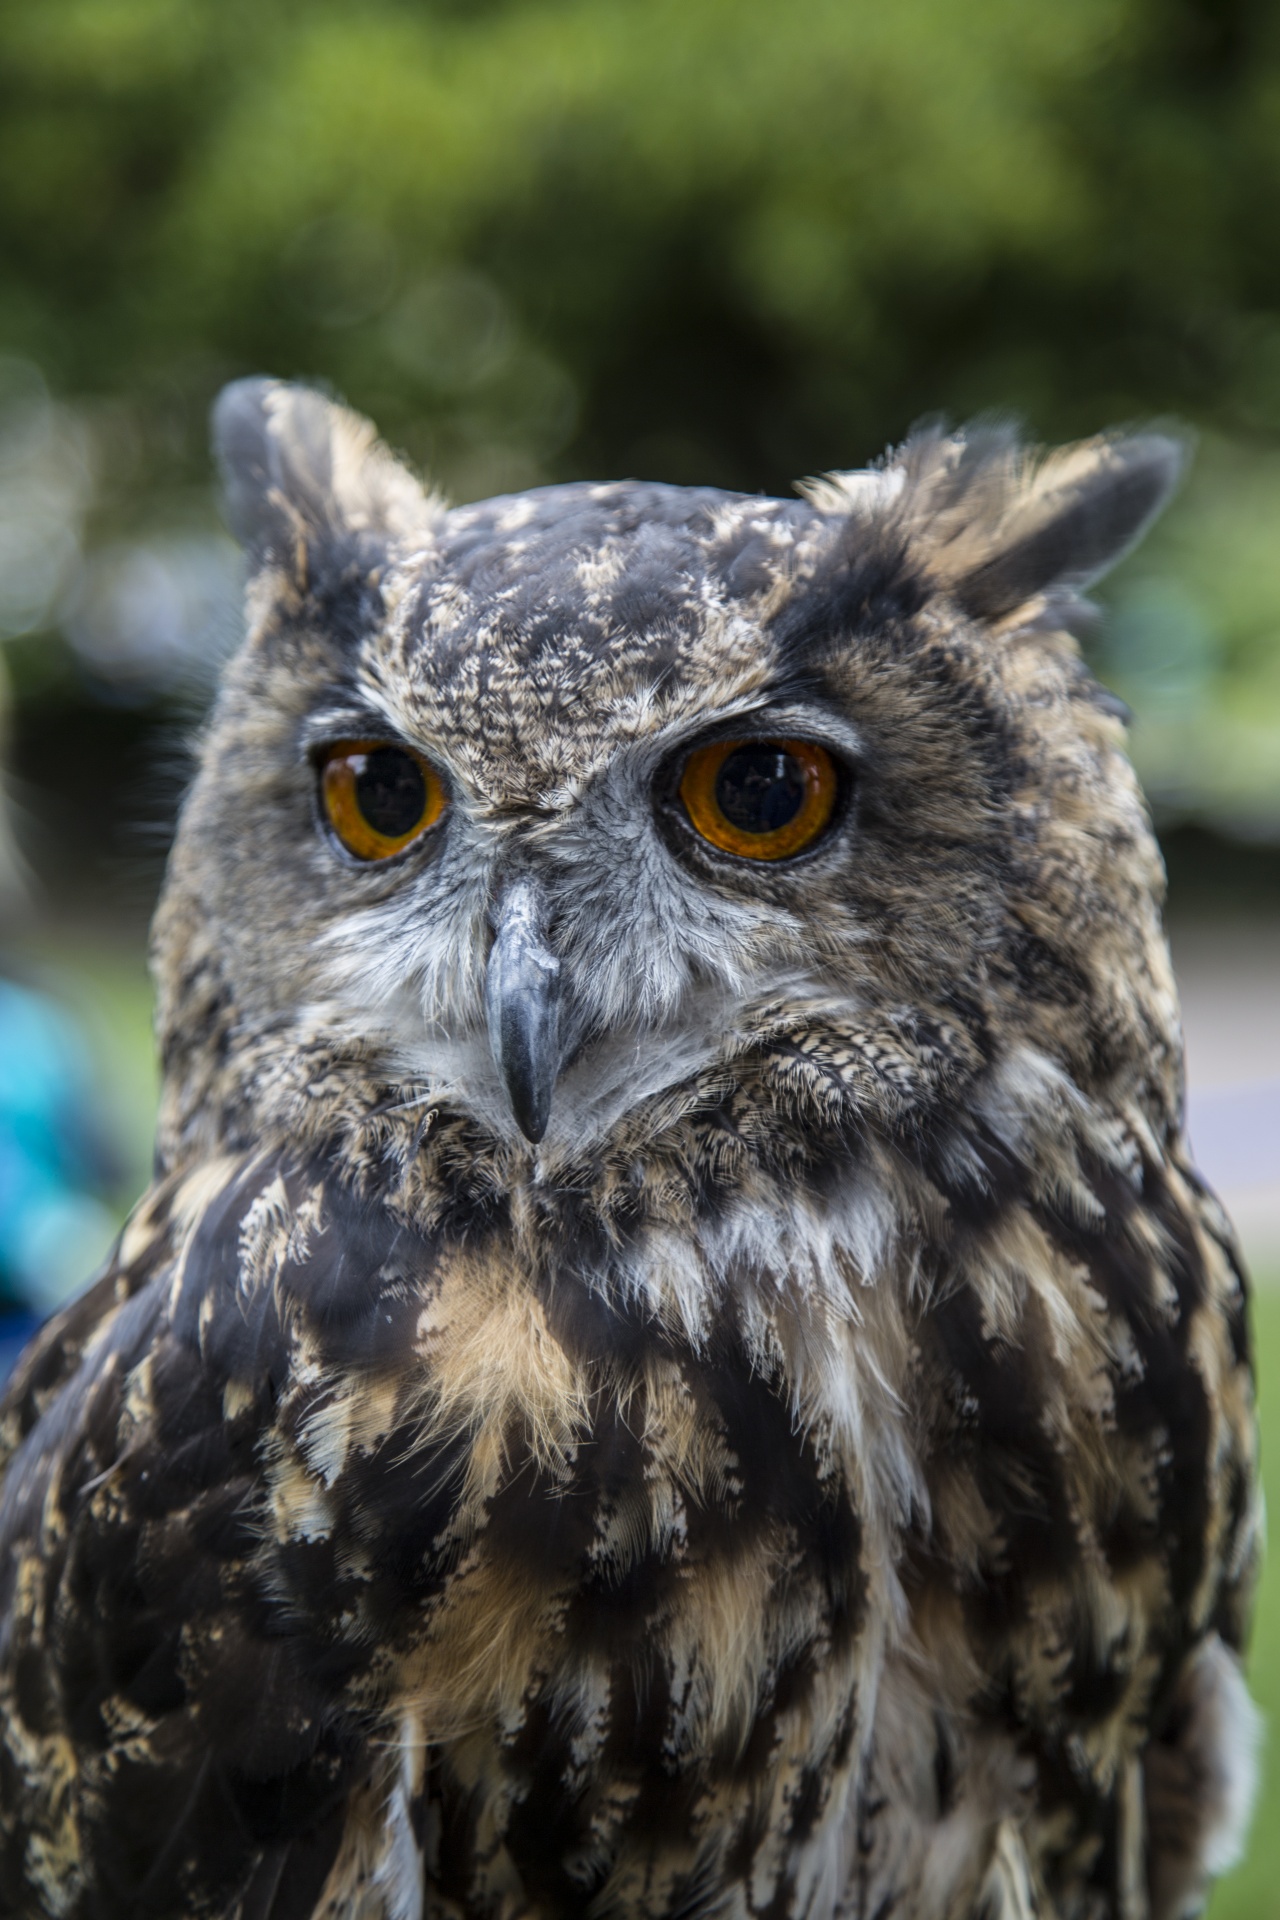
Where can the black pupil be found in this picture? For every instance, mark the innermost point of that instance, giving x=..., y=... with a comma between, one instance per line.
x=390, y=791
x=760, y=788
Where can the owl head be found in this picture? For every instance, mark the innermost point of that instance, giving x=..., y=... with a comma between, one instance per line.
x=550, y=812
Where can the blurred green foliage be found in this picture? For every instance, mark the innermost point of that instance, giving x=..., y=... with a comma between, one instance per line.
x=718, y=240
x=770, y=234
x=713, y=240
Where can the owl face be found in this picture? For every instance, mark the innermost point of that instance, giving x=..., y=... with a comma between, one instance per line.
x=543, y=805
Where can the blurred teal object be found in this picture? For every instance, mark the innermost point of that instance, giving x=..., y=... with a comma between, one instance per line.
x=15, y=1331
x=54, y=1163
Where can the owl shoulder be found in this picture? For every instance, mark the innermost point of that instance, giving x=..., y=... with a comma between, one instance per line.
x=198, y=1513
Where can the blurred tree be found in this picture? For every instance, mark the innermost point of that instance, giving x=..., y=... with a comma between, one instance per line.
x=695, y=239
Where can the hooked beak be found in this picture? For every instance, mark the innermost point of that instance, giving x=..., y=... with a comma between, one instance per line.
x=522, y=1002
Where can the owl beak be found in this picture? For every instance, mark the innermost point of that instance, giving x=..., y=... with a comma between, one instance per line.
x=522, y=1003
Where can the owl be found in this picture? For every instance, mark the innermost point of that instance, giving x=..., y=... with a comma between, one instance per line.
x=675, y=1362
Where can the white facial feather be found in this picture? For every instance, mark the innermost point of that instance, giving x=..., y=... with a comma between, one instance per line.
x=663, y=970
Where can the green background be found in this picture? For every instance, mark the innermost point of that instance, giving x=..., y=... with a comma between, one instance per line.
x=697, y=240
x=714, y=240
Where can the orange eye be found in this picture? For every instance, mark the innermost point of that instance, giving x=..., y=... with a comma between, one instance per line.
x=763, y=799
x=379, y=797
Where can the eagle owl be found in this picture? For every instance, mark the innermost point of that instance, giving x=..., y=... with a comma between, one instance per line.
x=675, y=1362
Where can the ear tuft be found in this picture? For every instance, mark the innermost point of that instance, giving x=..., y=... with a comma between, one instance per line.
x=999, y=524
x=301, y=472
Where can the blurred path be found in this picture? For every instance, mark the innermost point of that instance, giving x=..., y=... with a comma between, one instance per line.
x=1229, y=975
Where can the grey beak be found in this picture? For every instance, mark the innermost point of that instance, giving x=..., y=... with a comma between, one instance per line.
x=522, y=1002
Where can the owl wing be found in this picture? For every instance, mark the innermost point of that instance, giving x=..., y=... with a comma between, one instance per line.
x=1200, y=1770
x=1094, y=1514
x=210, y=1537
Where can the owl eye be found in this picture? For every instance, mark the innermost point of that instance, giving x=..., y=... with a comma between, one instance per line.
x=378, y=797
x=762, y=799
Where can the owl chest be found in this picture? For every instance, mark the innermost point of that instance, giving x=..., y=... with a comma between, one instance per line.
x=649, y=1656
x=639, y=1683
